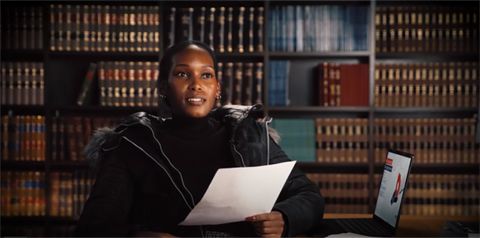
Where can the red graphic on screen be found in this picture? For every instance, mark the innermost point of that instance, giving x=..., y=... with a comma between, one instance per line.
x=397, y=191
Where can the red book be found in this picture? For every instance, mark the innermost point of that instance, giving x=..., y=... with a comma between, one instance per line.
x=364, y=83
x=348, y=84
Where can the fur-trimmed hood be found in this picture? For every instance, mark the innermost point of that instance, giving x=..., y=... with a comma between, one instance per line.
x=107, y=138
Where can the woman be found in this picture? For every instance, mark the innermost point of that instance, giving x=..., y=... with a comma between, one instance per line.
x=153, y=170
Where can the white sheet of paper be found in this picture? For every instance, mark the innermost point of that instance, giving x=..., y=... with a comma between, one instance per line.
x=237, y=193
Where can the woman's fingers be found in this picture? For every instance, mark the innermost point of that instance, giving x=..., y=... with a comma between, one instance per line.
x=268, y=224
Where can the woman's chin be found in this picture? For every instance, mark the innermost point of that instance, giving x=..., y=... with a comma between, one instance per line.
x=196, y=112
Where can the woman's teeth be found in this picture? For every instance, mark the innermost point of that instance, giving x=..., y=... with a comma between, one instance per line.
x=195, y=100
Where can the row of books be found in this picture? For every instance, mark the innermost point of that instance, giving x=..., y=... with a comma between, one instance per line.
x=104, y=28
x=441, y=195
x=427, y=194
x=343, y=193
x=22, y=28
x=432, y=140
x=278, y=83
x=297, y=138
x=70, y=135
x=128, y=83
x=241, y=82
x=318, y=28
x=225, y=29
x=23, y=193
x=69, y=192
x=342, y=140
x=425, y=28
x=22, y=83
x=23, y=138
x=446, y=84
x=342, y=84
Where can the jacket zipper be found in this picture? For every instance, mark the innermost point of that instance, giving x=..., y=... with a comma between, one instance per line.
x=241, y=157
x=268, y=139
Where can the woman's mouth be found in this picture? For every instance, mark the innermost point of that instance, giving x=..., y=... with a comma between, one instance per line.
x=195, y=101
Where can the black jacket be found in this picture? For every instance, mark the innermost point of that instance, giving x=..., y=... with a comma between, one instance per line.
x=139, y=189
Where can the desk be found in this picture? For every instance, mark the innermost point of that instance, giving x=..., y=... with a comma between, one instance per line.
x=411, y=225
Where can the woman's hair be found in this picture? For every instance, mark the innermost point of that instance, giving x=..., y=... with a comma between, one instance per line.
x=166, y=62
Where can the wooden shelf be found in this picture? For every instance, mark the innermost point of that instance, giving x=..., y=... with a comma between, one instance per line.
x=317, y=55
x=69, y=165
x=23, y=219
x=317, y=111
x=317, y=167
x=23, y=109
x=94, y=55
x=426, y=56
x=37, y=220
x=426, y=111
x=241, y=55
x=24, y=55
x=72, y=110
x=23, y=165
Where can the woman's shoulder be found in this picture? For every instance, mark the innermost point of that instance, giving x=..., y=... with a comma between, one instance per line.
x=109, y=138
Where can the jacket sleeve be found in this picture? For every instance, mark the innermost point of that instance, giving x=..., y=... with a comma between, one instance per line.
x=107, y=209
x=300, y=201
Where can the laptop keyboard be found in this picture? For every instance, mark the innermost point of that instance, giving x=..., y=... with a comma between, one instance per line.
x=364, y=226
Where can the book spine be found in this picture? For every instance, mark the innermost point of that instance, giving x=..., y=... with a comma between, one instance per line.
x=248, y=85
x=229, y=83
x=201, y=24
x=258, y=96
x=238, y=83
x=230, y=30
x=241, y=19
x=171, y=32
x=220, y=78
x=211, y=30
x=221, y=31
x=185, y=23
x=144, y=70
x=250, y=39
x=87, y=84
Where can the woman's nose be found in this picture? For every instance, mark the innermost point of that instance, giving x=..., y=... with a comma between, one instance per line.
x=195, y=82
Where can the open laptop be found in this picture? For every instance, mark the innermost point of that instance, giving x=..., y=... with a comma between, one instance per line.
x=389, y=200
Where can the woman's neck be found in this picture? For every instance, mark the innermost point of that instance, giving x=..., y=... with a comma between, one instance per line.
x=188, y=127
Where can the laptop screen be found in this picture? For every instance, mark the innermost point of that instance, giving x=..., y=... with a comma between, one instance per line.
x=392, y=187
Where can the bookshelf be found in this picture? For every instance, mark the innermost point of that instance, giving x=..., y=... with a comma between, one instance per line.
x=65, y=70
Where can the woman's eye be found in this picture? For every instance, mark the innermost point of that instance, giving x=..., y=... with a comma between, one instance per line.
x=181, y=75
x=207, y=76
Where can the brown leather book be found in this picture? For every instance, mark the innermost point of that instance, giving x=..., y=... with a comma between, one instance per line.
x=221, y=30
x=238, y=83
x=257, y=97
x=220, y=78
x=392, y=29
x=248, y=84
x=229, y=83
x=260, y=27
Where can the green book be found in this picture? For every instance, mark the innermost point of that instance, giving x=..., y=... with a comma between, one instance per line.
x=297, y=138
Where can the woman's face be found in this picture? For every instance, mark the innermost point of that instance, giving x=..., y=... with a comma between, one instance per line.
x=193, y=87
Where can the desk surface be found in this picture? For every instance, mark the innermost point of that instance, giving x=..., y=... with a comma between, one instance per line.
x=411, y=225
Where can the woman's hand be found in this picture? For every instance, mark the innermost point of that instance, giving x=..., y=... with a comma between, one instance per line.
x=268, y=224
